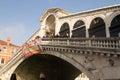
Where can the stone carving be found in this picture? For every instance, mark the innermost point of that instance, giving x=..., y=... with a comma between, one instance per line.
x=111, y=62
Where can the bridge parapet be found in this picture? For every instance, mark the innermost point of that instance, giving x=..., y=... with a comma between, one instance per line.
x=110, y=43
x=102, y=46
x=109, y=47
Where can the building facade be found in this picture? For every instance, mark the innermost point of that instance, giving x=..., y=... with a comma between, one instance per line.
x=7, y=51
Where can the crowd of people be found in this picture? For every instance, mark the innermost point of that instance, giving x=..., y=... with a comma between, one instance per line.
x=51, y=35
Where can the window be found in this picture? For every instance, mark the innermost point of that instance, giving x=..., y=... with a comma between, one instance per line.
x=13, y=50
x=2, y=60
x=4, y=49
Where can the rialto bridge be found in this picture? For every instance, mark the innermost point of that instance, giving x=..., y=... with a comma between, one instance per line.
x=87, y=42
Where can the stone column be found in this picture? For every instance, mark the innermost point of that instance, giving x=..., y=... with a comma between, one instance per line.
x=107, y=31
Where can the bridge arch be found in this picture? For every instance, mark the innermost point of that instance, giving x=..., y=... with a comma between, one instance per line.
x=79, y=29
x=109, y=20
x=111, y=17
x=53, y=64
x=114, y=27
x=97, y=28
x=64, y=30
x=50, y=24
x=73, y=62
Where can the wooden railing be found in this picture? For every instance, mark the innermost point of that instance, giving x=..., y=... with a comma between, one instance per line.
x=109, y=43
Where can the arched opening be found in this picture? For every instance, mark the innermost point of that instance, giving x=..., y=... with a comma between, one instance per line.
x=50, y=26
x=65, y=30
x=115, y=27
x=13, y=77
x=52, y=67
x=97, y=28
x=79, y=29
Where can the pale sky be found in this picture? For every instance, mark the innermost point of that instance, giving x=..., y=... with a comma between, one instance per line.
x=19, y=19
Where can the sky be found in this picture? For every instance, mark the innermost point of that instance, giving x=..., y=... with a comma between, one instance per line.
x=19, y=19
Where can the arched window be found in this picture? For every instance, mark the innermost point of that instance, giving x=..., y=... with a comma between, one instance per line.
x=65, y=30
x=4, y=49
x=79, y=29
x=97, y=28
x=50, y=26
x=115, y=27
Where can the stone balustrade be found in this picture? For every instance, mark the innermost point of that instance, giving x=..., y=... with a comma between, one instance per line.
x=109, y=43
x=109, y=47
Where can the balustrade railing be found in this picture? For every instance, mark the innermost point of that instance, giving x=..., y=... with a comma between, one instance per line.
x=112, y=43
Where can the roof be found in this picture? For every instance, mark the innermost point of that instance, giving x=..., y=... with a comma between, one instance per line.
x=5, y=43
x=107, y=7
x=54, y=10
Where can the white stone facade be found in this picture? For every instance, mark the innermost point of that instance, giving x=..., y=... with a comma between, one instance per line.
x=53, y=19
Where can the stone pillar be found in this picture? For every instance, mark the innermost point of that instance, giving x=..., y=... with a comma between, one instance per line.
x=87, y=33
x=107, y=31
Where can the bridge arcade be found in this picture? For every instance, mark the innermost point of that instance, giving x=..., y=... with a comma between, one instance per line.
x=102, y=22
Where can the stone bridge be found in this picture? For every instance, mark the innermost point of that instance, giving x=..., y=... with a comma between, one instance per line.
x=67, y=58
x=86, y=42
